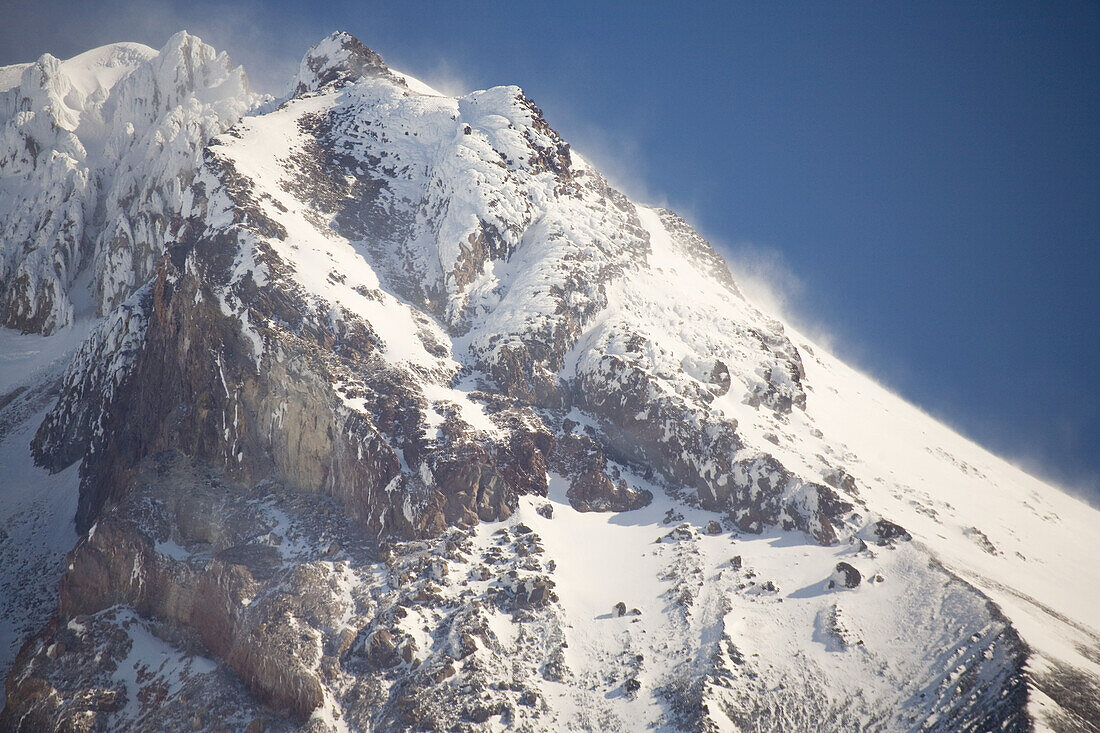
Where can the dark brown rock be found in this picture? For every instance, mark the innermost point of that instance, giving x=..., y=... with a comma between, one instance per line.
x=591, y=489
x=888, y=532
x=846, y=576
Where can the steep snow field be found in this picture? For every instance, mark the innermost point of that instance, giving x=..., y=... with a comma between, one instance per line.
x=1027, y=545
x=36, y=508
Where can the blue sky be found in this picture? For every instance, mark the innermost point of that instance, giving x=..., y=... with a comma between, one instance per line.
x=918, y=182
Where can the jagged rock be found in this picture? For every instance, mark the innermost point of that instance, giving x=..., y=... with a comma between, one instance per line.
x=981, y=540
x=888, y=532
x=444, y=672
x=338, y=60
x=533, y=593
x=381, y=649
x=762, y=492
x=620, y=609
x=591, y=489
x=681, y=533
x=842, y=480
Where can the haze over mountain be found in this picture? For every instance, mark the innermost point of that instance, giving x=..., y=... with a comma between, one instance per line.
x=372, y=408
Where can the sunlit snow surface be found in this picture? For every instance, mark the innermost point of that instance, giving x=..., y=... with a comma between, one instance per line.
x=96, y=155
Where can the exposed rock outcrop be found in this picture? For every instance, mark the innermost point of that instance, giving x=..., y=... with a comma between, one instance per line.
x=845, y=576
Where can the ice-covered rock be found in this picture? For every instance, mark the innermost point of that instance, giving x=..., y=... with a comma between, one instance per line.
x=97, y=156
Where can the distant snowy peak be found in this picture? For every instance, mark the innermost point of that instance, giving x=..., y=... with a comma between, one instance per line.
x=183, y=72
x=96, y=154
x=102, y=67
x=69, y=84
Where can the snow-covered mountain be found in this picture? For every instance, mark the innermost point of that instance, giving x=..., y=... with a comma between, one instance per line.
x=97, y=154
x=371, y=408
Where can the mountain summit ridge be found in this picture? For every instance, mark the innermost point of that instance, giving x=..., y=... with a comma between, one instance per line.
x=337, y=60
x=398, y=415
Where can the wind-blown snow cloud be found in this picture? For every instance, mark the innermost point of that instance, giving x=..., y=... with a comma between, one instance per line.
x=443, y=77
x=773, y=284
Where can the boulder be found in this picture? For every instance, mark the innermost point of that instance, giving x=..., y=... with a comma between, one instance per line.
x=887, y=532
x=845, y=576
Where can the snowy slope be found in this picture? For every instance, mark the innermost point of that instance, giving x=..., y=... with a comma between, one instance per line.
x=1023, y=543
x=36, y=508
x=415, y=398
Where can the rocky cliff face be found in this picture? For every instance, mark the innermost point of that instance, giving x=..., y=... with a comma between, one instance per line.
x=396, y=415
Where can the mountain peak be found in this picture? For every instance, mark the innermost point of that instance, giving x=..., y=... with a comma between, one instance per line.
x=339, y=59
